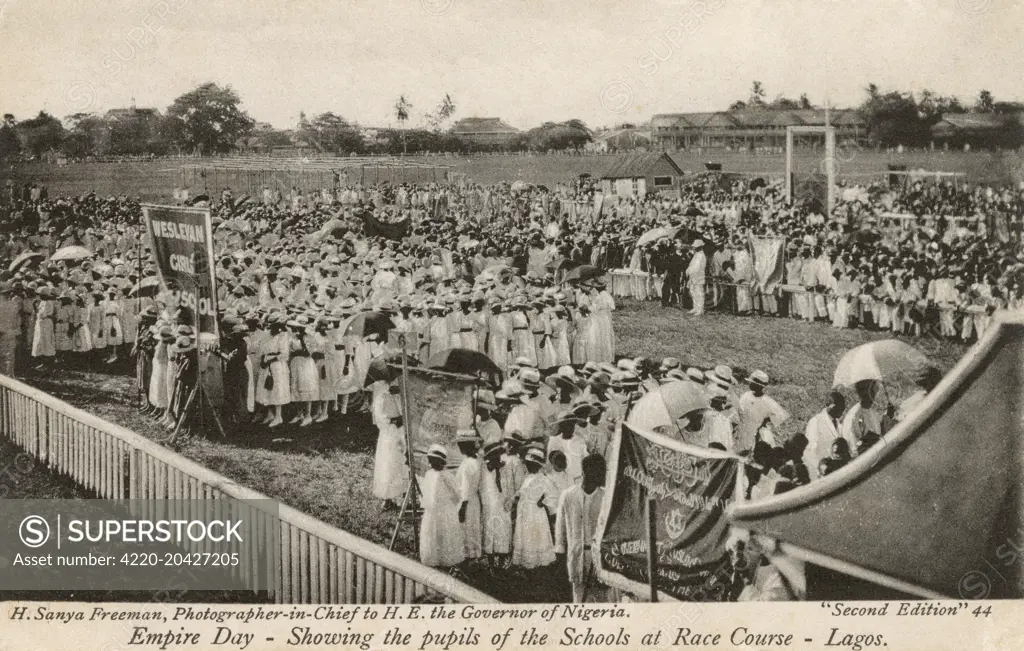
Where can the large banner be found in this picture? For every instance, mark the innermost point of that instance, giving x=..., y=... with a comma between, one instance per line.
x=182, y=243
x=692, y=488
x=439, y=406
x=769, y=261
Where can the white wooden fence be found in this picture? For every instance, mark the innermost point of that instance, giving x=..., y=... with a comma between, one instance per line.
x=317, y=563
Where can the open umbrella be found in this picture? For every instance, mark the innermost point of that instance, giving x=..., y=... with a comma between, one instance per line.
x=25, y=258
x=71, y=253
x=888, y=361
x=497, y=269
x=519, y=186
x=656, y=234
x=149, y=286
x=369, y=323
x=664, y=406
x=583, y=273
x=467, y=362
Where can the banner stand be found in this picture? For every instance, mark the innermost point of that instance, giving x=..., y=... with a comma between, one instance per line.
x=410, y=501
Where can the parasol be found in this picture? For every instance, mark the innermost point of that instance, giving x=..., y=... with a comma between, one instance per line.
x=496, y=269
x=583, y=272
x=520, y=186
x=25, y=258
x=664, y=406
x=370, y=323
x=888, y=361
x=468, y=362
x=71, y=253
x=656, y=234
x=149, y=286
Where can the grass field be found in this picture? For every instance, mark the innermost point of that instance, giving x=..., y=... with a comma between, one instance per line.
x=327, y=472
x=155, y=180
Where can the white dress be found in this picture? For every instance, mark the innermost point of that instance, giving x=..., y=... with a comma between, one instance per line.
x=43, y=344
x=275, y=350
x=440, y=532
x=467, y=478
x=389, y=473
x=532, y=544
x=159, y=392
x=496, y=505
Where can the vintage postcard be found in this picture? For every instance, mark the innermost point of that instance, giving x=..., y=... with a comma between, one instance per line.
x=445, y=324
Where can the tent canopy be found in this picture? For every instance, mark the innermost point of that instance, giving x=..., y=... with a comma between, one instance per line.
x=938, y=502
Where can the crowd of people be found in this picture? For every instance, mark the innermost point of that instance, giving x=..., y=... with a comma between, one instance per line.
x=307, y=300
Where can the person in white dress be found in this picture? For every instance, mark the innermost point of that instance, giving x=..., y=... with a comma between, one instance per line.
x=441, y=543
x=573, y=447
x=497, y=491
x=389, y=460
x=467, y=480
x=43, y=339
x=273, y=384
x=532, y=541
x=695, y=277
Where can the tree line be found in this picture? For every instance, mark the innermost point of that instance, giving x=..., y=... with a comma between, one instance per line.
x=210, y=119
x=904, y=118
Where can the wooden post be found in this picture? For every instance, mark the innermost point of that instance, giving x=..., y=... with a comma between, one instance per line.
x=652, y=546
x=407, y=423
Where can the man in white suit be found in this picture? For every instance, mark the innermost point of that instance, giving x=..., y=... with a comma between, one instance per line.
x=576, y=529
x=695, y=277
x=822, y=429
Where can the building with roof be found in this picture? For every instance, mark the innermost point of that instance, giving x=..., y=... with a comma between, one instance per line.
x=636, y=175
x=978, y=130
x=625, y=139
x=485, y=132
x=748, y=128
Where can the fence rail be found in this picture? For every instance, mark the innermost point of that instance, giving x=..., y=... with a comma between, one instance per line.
x=317, y=563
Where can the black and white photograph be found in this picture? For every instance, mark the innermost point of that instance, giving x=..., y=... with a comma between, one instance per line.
x=483, y=304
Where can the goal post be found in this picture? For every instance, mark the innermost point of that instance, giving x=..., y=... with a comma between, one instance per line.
x=827, y=166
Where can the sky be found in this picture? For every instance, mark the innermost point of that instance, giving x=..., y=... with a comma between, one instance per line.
x=526, y=61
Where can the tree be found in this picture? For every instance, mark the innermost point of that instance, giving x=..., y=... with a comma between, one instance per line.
x=10, y=146
x=41, y=134
x=756, y=94
x=207, y=119
x=444, y=111
x=572, y=134
x=402, y=107
x=931, y=107
x=781, y=102
x=985, y=102
x=87, y=135
x=805, y=102
x=893, y=118
x=738, y=105
x=333, y=133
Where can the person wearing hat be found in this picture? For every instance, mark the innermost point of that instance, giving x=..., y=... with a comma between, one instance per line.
x=753, y=409
x=159, y=388
x=523, y=345
x=113, y=329
x=497, y=491
x=489, y=429
x=576, y=529
x=721, y=418
x=532, y=542
x=43, y=335
x=185, y=362
x=142, y=352
x=695, y=277
x=273, y=383
x=565, y=440
x=302, y=371
x=441, y=543
x=556, y=471
x=63, y=316
x=389, y=470
x=467, y=482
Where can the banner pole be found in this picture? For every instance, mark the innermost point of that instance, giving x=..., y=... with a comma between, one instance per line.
x=407, y=422
x=652, y=542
